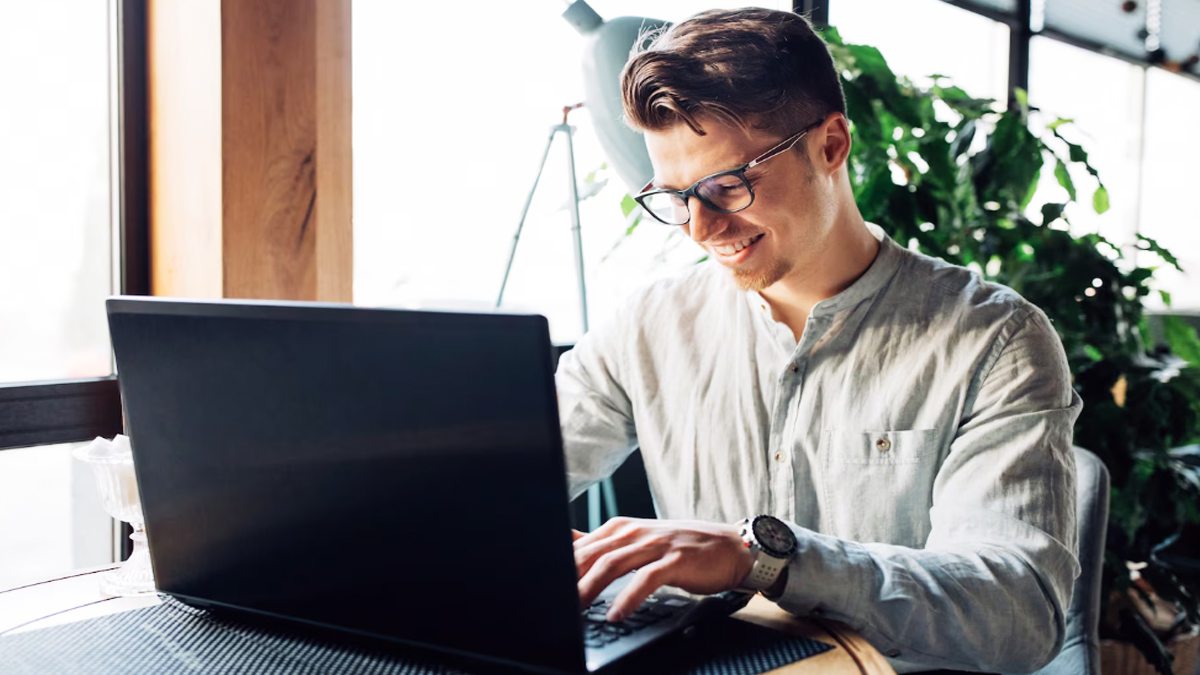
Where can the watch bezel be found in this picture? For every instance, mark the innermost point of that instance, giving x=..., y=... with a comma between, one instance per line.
x=776, y=525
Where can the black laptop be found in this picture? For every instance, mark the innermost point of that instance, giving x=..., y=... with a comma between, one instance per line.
x=392, y=474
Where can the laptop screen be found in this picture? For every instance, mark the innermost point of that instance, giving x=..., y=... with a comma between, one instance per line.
x=388, y=472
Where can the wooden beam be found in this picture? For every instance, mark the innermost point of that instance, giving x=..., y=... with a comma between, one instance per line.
x=335, y=194
x=250, y=149
x=184, y=61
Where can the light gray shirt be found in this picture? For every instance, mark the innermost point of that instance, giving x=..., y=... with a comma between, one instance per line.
x=917, y=438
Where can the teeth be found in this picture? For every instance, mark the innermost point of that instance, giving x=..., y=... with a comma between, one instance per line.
x=735, y=247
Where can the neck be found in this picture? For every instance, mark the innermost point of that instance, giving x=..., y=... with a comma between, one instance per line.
x=847, y=253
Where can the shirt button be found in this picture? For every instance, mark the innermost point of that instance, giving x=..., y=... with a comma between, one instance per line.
x=892, y=653
x=883, y=444
x=794, y=368
x=778, y=456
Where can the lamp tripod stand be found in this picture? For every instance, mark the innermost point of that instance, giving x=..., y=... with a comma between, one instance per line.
x=604, y=491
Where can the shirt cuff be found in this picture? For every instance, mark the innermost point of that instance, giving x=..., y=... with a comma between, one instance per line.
x=827, y=576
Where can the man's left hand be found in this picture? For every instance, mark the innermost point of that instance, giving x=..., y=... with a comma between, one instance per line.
x=697, y=556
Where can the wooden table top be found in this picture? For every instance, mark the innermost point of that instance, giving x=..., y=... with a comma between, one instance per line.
x=77, y=596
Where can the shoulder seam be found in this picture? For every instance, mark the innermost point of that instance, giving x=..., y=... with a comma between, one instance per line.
x=1021, y=318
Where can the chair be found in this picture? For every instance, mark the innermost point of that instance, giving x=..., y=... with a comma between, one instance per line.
x=1080, y=654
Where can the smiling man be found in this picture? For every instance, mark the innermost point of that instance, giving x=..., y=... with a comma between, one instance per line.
x=853, y=429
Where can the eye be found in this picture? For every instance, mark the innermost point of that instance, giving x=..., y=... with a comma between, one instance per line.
x=726, y=184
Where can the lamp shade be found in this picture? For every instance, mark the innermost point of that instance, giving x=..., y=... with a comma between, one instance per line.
x=607, y=48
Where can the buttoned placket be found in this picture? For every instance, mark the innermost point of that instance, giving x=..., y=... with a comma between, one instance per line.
x=780, y=462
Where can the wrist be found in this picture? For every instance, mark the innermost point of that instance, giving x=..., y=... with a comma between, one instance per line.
x=776, y=589
x=771, y=544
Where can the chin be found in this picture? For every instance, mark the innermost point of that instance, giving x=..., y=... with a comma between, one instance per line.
x=758, y=278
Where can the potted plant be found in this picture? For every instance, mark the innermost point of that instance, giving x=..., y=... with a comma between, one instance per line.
x=953, y=176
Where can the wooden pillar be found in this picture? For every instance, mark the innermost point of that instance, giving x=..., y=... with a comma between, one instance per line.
x=250, y=132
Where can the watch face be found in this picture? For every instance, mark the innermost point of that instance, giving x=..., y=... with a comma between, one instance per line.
x=774, y=536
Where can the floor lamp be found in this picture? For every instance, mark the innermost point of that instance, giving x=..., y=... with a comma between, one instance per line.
x=604, y=491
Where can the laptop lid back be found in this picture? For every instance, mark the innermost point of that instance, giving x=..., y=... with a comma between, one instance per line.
x=392, y=473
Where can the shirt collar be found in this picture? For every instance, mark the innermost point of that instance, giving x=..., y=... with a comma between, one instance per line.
x=880, y=272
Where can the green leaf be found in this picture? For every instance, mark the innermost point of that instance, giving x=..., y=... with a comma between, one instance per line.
x=1181, y=338
x=1032, y=189
x=1051, y=213
x=1093, y=353
x=628, y=204
x=1077, y=153
x=1147, y=244
x=831, y=35
x=1064, y=178
x=633, y=225
x=1100, y=199
x=1059, y=122
x=1166, y=297
x=1022, y=97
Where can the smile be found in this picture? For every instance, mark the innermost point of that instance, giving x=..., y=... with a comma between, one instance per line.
x=737, y=246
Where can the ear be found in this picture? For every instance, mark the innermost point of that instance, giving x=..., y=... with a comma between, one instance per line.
x=831, y=148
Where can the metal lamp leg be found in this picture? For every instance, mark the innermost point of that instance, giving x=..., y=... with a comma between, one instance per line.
x=602, y=494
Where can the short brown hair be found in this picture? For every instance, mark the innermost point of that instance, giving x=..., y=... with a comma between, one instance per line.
x=752, y=68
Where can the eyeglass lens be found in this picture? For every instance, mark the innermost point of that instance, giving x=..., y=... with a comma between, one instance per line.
x=726, y=193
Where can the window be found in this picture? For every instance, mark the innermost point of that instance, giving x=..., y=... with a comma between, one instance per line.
x=1107, y=124
x=451, y=116
x=928, y=37
x=55, y=208
x=51, y=520
x=1170, y=212
x=70, y=184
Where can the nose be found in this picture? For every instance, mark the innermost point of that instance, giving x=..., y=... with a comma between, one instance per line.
x=704, y=222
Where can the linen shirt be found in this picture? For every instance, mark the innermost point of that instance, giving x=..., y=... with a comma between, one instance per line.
x=917, y=438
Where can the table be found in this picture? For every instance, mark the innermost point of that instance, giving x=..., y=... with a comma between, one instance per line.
x=76, y=597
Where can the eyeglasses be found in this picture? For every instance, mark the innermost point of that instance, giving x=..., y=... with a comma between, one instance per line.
x=724, y=192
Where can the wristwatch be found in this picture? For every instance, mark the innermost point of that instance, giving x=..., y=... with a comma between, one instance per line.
x=772, y=543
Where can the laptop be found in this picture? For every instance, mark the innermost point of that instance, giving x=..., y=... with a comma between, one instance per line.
x=392, y=474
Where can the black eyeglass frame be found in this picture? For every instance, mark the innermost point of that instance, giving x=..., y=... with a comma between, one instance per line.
x=740, y=172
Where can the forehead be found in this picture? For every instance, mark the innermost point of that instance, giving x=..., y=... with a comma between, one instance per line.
x=681, y=157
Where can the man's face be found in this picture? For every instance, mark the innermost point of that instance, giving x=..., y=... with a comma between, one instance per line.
x=781, y=234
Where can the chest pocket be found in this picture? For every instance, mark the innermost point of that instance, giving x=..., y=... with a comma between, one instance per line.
x=878, y=485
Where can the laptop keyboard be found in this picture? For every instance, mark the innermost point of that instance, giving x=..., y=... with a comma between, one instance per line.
x=598, y=631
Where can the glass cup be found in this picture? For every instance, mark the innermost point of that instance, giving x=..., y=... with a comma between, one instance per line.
x=112, y=464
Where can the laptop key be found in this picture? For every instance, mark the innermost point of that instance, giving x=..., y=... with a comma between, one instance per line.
x=636, y=621
x=660, y=612
x=616, y=629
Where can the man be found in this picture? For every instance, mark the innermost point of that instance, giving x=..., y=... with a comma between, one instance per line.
x=898, y=429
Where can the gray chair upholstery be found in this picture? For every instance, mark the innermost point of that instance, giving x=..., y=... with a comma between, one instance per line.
x=1080, y=653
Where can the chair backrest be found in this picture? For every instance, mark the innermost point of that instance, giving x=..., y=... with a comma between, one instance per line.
x=1080, y=653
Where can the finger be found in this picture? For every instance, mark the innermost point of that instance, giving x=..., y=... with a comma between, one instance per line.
x=647, y=580
x=576, y=535
x=606, y=529
x=587, y=554
x=616, y=533
x=610, y=567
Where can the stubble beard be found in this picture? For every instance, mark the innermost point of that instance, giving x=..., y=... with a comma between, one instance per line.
x=758, y=278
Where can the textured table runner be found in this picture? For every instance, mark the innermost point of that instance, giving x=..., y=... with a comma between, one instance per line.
x=175, y=638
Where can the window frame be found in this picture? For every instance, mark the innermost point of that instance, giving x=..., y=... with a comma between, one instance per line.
x=64, y=411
